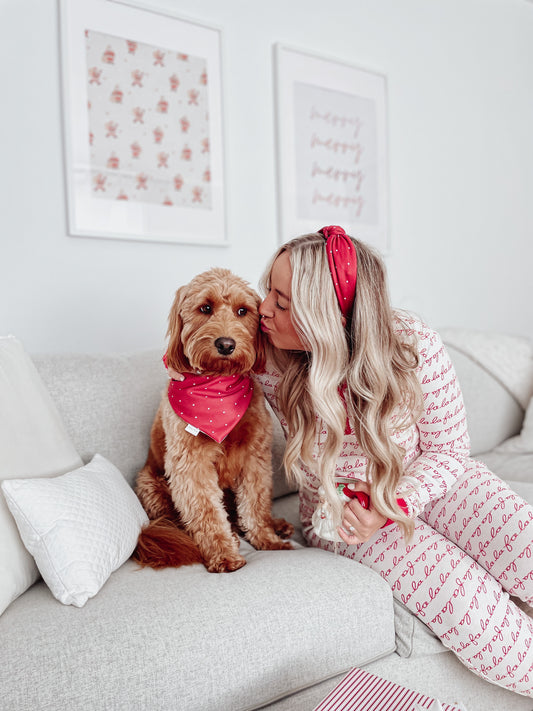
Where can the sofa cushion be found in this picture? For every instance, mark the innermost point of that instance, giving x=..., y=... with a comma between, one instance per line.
x=527, y=429
x=508, y=359
x=79, y=527
x=287, y=507
x=488, y=426
x=108, y=403
x=33, y=442
x=280, y=484
x=523, y=442
x=413, y=637
x=188, y=639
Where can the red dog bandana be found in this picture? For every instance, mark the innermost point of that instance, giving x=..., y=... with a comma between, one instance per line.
x=213, y=404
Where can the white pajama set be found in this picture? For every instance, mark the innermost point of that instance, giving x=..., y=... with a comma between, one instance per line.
x=473, y=542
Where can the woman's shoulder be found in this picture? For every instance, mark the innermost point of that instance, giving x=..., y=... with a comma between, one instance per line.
x=270, y=376
x=412, y=328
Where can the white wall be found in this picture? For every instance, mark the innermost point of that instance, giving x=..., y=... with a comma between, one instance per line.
x=460, y=99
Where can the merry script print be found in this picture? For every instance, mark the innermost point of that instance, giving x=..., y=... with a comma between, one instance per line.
x=148, y=123
x=336, y=155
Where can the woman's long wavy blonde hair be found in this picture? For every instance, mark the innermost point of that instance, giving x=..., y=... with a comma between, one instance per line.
x=366, y=355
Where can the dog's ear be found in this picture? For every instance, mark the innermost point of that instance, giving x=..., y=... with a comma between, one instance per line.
x=175, y=355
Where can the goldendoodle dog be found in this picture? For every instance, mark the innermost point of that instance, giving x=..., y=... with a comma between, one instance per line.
x=208, y=475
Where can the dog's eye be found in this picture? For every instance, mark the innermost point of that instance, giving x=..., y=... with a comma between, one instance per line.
x=242, y=311
x=206, y=309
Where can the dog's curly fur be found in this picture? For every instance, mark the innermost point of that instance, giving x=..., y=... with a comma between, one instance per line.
x=188, y=483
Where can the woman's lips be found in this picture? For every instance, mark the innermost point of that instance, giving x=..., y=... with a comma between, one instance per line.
x=264, y=327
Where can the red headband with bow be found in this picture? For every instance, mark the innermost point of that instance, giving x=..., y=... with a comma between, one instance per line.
x=342, y=260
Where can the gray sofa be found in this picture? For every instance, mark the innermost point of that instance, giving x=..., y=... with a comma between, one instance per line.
x=280, y=632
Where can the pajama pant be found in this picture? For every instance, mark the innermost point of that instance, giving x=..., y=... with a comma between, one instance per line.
x=470, y=550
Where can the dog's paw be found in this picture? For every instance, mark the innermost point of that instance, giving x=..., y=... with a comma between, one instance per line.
x=283, y=528
x=278, y=545
x=225, y=564
x=267, y=540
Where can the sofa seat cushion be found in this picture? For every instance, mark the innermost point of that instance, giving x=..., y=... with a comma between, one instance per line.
x=188, y=639
x=413, y=638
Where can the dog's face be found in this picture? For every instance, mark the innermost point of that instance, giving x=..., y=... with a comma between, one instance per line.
x=213, y=326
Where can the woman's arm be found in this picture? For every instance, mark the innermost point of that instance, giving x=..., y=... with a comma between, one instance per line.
x=444, y=440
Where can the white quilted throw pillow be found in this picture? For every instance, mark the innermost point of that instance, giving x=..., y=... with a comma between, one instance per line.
x=79, y=527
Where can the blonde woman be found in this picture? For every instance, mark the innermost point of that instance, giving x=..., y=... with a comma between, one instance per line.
x=377, y=440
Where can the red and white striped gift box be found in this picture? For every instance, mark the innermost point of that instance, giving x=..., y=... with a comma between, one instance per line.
x=361, y=691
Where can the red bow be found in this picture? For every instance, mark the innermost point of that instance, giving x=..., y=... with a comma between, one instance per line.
x=342, y=260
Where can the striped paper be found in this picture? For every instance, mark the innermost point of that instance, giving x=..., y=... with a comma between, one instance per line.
x=361, y=691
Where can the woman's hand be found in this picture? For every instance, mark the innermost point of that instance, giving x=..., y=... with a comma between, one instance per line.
x=359, y=524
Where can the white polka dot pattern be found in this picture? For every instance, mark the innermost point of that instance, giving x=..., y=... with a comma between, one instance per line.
x=213, y=404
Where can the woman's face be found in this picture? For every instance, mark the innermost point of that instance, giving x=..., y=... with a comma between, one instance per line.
x=275, y=310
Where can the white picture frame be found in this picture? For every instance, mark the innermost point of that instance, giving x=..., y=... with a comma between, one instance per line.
x=331, y=126
x=143, y=125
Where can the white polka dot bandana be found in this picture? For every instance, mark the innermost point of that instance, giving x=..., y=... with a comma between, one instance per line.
x=214, y=404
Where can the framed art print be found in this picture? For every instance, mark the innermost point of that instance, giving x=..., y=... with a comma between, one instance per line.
x=332, y=147
x=143, y=133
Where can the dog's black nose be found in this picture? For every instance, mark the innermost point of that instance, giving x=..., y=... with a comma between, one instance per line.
x=225, y=346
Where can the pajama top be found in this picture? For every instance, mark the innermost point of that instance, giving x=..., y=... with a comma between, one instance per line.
x=437, y=447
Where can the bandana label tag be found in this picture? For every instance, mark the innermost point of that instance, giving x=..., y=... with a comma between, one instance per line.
x=193, y=430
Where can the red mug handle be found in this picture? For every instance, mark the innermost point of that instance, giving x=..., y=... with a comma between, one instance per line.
x=363, y=498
